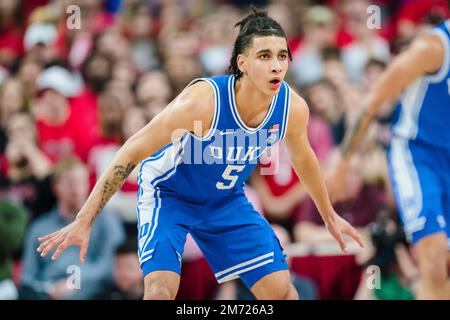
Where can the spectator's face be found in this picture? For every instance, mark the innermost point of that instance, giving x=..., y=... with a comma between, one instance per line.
x=321, y=33
x=7, y=6
x=214, y=28
x=114, y=44
x=72, y=187
x=122, y=92
x=111, y=115
x=265, y=59
x=134, y=120
x=98, y=72
x=124, y=72
x=355, y=9
x=52, y=106
x=29, y=72
x=42, y=53
x=11, y=99
x=127, y=273
x=355, y=12
x=182, y=69
x=335, y=72
x=185, y=45
x=153, y=86
x=323, y=99
x=141, y=23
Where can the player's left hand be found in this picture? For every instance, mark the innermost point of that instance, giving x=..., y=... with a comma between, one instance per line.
x=338, y=227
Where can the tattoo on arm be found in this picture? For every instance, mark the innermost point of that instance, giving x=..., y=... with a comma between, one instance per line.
x=120, y=173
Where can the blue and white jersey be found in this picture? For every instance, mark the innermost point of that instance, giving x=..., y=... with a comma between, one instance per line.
x=425, y=105
x=217, y=165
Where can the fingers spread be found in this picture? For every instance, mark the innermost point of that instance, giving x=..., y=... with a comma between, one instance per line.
x=51, y=244
x=355, y=235
x=59, y=250
x=45, y=244
x=44, y=238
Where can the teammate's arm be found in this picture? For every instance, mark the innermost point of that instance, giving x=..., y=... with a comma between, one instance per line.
x=195, y=103
x=424, y=56
x=308, y=170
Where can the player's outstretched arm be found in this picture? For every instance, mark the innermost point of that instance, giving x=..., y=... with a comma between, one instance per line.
x=424, y=56
x=307, y=168
x=195, y=103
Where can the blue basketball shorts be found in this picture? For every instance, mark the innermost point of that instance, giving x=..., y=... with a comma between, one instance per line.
x=235, y=239
x=420, y=177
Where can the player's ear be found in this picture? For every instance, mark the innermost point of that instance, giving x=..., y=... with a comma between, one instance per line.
x=240, y=61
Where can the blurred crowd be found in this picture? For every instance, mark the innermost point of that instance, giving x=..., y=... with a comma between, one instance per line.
x=69, y=97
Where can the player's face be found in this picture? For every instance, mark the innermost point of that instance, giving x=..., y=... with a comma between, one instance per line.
x=265, y=63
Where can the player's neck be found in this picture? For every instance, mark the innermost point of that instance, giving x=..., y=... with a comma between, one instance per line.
x=249, y=99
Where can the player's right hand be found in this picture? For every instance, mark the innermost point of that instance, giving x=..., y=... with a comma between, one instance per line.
x=76, y=233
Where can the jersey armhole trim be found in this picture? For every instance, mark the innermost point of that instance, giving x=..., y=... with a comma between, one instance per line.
x=215, y=119
x=287, y=102
x=443, y=70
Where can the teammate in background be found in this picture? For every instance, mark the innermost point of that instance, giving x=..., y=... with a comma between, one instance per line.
x=177, y=197
x=419, y=154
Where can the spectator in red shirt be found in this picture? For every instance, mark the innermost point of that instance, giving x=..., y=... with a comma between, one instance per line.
x=96, y=72
x=61, y=130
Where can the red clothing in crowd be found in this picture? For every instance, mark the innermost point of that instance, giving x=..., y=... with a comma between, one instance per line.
x=11, y=40
x=28, y=6
x=285, y=178
x=416, y=10
x=76, y=135
x=85, y=107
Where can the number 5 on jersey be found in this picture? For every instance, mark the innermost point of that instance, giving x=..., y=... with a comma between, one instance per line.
x=229, y=177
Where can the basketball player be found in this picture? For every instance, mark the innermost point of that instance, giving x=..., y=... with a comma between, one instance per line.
x=178, y=196
x=419, y=154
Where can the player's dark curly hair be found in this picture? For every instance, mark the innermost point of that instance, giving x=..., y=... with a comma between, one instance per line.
x=255, y=24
